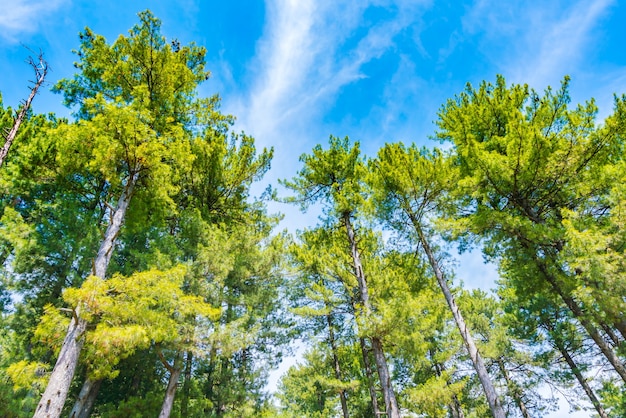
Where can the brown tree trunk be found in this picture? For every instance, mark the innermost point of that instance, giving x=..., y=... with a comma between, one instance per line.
x=54, y=396
x=86, y=399
x=477, y=360
x=41, y=70
x=391, y=404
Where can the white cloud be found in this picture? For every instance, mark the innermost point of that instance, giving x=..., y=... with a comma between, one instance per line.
x=309, y=51
x=560, y=44
x=24, y=16
x=535, y=45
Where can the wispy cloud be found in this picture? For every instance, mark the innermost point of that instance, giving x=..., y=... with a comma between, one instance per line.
x=538, y=45
x=309, y=52
x=25, y=16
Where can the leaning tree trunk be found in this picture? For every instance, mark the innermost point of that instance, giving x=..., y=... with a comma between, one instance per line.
x=86, y=399
x=168, y=401
x=576, y=370
x=580, y=315
x=477, y=360
x=41, y=70
x=391, y=404
x=53, y=399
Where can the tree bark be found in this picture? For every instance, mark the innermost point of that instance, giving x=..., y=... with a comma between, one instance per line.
x=41, y=70
x=336, y=365
x=581, y=380
x=168, y=401
x=455, y=408
x=477, y=360
x=54, y=396
x=184, y=404
x=391, y=404
x=53, y=399
x=86, y=399
x=370, y=377
x=578, y=313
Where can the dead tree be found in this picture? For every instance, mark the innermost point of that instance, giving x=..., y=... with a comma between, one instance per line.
x=41, y=69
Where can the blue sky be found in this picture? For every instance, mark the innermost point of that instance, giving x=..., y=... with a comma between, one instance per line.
x=294, y=72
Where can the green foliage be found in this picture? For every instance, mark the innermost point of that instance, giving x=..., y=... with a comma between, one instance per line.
x=333, y=177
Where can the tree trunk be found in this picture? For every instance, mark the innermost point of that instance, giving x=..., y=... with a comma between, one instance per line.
x=168, y=402
x=581, y=380
x=184, y=404
x=41, y=70
x=86, y=399
x=578, y=313
x=370, y=377
x=514, y=390
x=337, y=368
x=54, y=397
x=455, y=408
x=477, y=360
x=391, y=404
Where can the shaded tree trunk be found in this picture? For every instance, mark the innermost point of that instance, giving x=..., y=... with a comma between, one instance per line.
x=455, y=408
x=54, y=396
x=86, y=399
x=391, y=404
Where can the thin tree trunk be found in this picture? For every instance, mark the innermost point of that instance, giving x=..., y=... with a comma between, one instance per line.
x=514, y=389
x=581, y=380
x=477, y=360
x=337, y=367
x=578, y=313
x=53, y=399
x=370, y=377
x=175, y=371
x=184, y=404
x=41, y=70
x=455, y=408
x=391, y=404
x=86, y=399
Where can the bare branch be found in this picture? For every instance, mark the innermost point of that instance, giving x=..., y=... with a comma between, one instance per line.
x=41, y=68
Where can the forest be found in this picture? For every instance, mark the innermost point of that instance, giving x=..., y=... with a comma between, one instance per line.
x=142, y=277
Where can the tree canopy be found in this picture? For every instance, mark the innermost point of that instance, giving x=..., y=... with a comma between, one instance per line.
x=141, y=274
